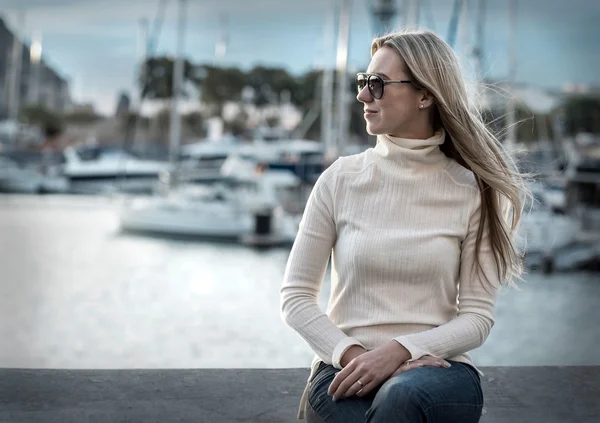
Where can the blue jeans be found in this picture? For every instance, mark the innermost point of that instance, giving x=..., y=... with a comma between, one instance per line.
x=424, y=394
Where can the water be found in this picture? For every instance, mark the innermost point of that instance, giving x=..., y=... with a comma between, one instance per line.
x=75, y=293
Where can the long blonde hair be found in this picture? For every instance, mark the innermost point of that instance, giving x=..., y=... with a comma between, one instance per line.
x=434, y=67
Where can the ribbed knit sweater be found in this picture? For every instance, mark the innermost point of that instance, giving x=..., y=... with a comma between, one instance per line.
x=399, y=222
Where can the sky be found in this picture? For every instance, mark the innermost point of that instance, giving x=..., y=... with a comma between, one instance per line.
x=96, y=43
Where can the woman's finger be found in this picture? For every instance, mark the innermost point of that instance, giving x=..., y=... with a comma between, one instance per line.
x=345, y=385
x=439, y=362
x=357, y=387
x=422, y=362
x=406, y=366
x=428, y=360
x=366, y=390
x=339, y=378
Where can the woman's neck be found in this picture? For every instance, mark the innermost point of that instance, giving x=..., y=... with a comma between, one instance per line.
x=422, y=133
x=405, y=150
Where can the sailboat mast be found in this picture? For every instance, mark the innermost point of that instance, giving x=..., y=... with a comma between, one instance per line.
x=512, y=68
x=14, y=87
x=383, y=12
x=412, y=14
x=178, y=70
x=327, y=83
x=139, y=76
x=35, y=63
x=223, y=40
x=342, y=69
x=478, y=52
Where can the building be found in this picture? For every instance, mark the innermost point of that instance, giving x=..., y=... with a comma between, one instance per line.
x=38, y=82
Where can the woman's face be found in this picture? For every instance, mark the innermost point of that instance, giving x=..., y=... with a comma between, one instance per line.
x=398, y=111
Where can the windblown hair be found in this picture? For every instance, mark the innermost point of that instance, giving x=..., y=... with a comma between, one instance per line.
x=434, y=67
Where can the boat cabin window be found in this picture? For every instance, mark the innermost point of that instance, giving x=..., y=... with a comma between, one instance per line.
x=91, y=154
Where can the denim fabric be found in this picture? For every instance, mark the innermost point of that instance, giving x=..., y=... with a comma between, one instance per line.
x=420, y=395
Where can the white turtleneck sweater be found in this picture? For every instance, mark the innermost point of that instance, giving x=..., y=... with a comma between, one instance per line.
x=400, y=222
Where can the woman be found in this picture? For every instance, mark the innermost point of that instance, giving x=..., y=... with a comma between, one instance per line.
x=420, y=236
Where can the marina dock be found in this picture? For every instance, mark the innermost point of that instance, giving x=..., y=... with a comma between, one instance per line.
x=513, y=395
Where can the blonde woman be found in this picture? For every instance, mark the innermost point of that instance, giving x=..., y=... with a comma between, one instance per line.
x=419, y=229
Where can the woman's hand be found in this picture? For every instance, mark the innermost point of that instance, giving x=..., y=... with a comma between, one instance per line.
x=426, y=360
x=352, y=352
x=367, y=371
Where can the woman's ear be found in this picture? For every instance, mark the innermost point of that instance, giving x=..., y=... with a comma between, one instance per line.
x=426, y=100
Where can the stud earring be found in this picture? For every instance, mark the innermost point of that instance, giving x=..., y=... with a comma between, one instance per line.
x=420, y=106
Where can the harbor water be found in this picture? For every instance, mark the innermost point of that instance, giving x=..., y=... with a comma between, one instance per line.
x=77, y=293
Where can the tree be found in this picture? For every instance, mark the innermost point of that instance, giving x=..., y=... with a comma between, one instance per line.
x=81, y=117
x=156, y=80
x=529, y=127
x=308, y=94
x=237, y=125
x=220, y=85
x=580, y=113
x=269, y=84
x=50, y=122
x=156, y=83
x=307, y=90
x=273, y=121
x=194, y=122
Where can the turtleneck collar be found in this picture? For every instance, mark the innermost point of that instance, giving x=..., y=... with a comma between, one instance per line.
x=411, y=150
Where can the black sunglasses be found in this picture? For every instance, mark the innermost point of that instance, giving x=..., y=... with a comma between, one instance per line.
x=375, y=83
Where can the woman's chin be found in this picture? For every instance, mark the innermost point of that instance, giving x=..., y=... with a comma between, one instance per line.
x=373, y=130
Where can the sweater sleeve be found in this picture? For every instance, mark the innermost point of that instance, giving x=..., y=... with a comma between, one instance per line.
x=304, y=273
x=476, y=301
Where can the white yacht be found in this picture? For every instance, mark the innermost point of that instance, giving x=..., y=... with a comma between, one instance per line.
x=245, y=205
x=91, y=170
x=201, y=161
x=29, y=179
x=304, y=158
x=541, y=230
x=16, y=179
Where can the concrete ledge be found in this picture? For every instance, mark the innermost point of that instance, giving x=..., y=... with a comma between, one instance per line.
x=513, y=395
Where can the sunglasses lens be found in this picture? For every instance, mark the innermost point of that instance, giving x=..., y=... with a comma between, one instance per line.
x=376, y=86
x=361, y=81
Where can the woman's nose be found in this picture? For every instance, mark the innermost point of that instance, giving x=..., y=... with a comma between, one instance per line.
x=364, y=95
